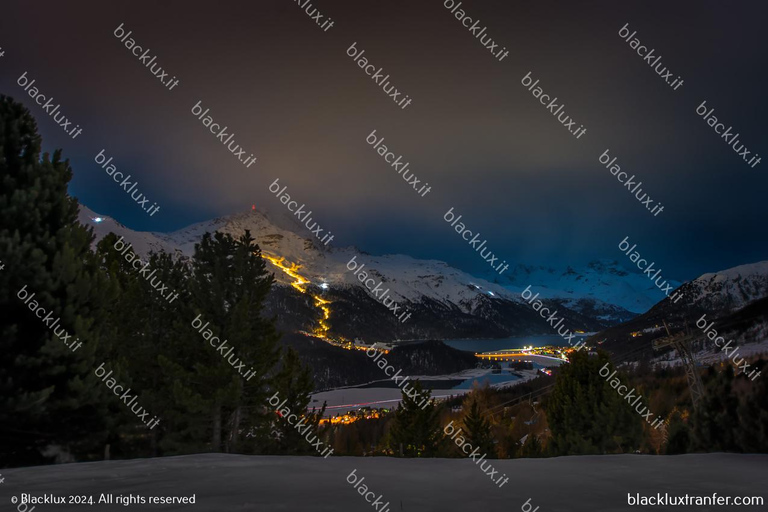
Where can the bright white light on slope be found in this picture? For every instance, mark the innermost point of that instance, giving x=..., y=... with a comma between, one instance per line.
x=491, y=294
x=97, y=219
x=324, y=286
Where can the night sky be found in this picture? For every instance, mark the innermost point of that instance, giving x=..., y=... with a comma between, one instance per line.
x=487, y=147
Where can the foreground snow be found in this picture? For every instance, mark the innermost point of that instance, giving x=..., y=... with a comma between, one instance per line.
x=236, y=482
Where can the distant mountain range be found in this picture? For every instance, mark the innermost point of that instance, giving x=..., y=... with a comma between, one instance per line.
x=603, y=280
x=735, y=299
x=444, y=302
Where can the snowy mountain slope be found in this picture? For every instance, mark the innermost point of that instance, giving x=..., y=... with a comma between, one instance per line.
x=730, y=289
x=445, y=302
x=604, y=280
x=408, y=278
x=143, y=242
x=723, y=296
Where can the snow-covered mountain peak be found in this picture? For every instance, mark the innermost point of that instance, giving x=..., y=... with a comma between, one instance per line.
x=731, y=288
x=604, y=280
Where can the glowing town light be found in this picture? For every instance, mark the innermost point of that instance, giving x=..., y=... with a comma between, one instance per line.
x=324, y=286
x=97, y=219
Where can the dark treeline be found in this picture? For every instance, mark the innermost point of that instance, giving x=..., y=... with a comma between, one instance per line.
x=576, y=412
x=101, y=355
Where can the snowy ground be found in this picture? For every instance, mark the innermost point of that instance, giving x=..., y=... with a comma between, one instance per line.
x=235, y=482
x=342, y=400
x=348, y=399
x=713, y=354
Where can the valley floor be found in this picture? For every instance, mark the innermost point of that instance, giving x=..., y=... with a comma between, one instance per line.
x=385, y=395
x=236, y=482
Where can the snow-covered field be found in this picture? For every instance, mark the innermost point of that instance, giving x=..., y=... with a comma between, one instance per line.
x=237, y=482
x=713, y=354
x=342, y=400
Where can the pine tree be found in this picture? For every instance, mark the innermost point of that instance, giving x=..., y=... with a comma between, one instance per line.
x=679, y=435
x=49, y=394
x=228, y=288
x=294, y=383
x=752, y=434
x=716, y=421
x=478, y=430
x=147, y=329
x=416, y=430
x=346, y=441
x=733, y=414
x=586, y=415
x=532, y=447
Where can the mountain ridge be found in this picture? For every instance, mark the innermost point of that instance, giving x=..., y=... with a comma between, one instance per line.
x=732, y=297
x=446, y=302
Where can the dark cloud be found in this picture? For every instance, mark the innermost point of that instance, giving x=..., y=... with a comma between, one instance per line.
x=290, y=93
